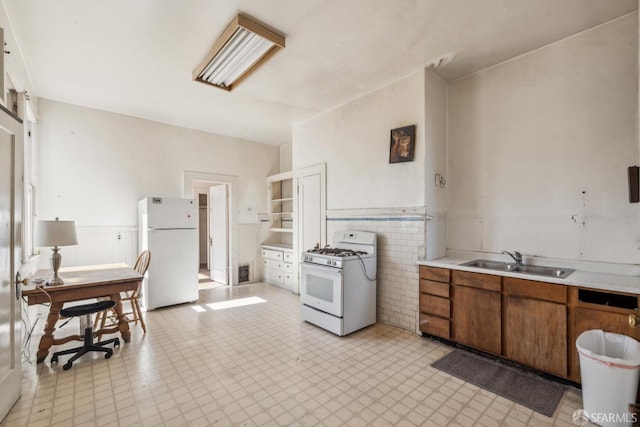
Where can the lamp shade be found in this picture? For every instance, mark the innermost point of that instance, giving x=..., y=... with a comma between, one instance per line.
x=56, y=233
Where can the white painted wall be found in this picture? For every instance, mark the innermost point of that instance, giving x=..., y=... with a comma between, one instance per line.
x=517, y=144
x=353, y=140
x=365, y=192
x=435, y=166
x=539, y=148
x=285, y=157
x=96, y=165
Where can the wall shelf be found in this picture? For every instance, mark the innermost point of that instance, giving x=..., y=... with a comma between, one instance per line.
x=281, y=203
x=281, y=230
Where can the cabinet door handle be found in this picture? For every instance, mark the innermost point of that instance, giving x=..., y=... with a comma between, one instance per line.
x=634, y=321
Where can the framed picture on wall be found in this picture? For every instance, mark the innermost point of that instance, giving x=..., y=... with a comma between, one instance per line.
x=402, y=144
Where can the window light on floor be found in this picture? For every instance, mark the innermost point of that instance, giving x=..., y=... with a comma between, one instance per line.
x=239, y=302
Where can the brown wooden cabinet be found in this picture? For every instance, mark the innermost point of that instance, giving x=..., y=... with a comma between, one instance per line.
x=530, y=322
x=435, y=306
x=477, y=311
x=535, y=324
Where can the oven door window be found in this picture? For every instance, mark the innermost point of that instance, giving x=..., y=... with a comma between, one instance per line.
x=322, y=288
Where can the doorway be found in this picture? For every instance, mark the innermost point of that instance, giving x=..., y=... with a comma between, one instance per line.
x=213, y=231
x=216, y=227
x=204, y=275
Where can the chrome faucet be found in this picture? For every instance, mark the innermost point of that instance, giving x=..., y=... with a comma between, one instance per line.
x=517, y=256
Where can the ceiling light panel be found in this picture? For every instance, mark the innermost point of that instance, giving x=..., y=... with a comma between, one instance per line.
x=243, y=46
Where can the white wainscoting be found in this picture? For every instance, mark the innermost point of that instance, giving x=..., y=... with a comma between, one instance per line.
x=98, y=245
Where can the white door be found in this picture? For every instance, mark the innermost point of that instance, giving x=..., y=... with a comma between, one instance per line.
x=309, y=211
x=11, y=161
x=218, y=234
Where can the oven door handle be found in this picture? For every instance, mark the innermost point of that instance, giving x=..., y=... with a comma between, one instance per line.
x=322, y=268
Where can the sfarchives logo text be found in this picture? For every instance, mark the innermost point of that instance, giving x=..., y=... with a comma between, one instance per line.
x=580, y=417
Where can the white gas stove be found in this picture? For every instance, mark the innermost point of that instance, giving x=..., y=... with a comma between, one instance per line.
x=338, y=284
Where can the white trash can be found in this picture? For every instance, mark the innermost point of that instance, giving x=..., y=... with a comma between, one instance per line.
x=609, y=366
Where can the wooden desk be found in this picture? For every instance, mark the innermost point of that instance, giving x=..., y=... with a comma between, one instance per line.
x=80, y=284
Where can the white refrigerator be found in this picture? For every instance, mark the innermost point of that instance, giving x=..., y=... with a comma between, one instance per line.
x=168, y=229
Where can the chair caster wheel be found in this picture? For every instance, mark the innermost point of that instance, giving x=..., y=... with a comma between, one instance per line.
x=107, y=355
x=66, y=366
x=54, y=359
x=116, y=343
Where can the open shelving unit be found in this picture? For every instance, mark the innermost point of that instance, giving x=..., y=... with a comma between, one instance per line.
x=281, y=203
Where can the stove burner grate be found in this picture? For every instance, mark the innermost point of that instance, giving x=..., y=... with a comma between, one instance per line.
x=339, y=252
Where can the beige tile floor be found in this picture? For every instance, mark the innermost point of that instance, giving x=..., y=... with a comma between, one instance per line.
x=260, y=365
x=204, y=280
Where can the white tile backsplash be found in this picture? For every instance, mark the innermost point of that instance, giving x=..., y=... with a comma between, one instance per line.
x=399, y=239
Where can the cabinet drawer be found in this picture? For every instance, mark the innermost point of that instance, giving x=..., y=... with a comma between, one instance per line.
x=273, y=264
x=287, y=267
x=288, y=257
x=273, y=276
x=434, y=288
x=476, y=280
x=290, y=280
x=536, y=290
x=271, y=254
x=435, y=326
x=434, y=273
x=435, y=305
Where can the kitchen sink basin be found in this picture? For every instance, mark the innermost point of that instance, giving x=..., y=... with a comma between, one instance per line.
x=537, y=270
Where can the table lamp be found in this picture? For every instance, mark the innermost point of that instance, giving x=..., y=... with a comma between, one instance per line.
x=56, y=233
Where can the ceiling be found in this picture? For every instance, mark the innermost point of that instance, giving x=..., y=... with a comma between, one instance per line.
x=136, y=57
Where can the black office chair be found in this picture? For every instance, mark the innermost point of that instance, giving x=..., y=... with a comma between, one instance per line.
x=89, y=345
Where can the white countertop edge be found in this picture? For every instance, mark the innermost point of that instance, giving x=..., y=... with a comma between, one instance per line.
x=586, y=279
x=277, y=246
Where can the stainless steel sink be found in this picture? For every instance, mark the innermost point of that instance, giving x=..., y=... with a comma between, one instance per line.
x=537, y=270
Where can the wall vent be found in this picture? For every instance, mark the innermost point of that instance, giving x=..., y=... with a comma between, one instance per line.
x=243, y=273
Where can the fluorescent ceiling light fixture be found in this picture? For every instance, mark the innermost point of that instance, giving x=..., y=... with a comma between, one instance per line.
x=243, y=46
x=240, y=302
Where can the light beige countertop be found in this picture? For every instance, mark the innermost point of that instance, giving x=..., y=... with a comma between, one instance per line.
x=602, y=276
